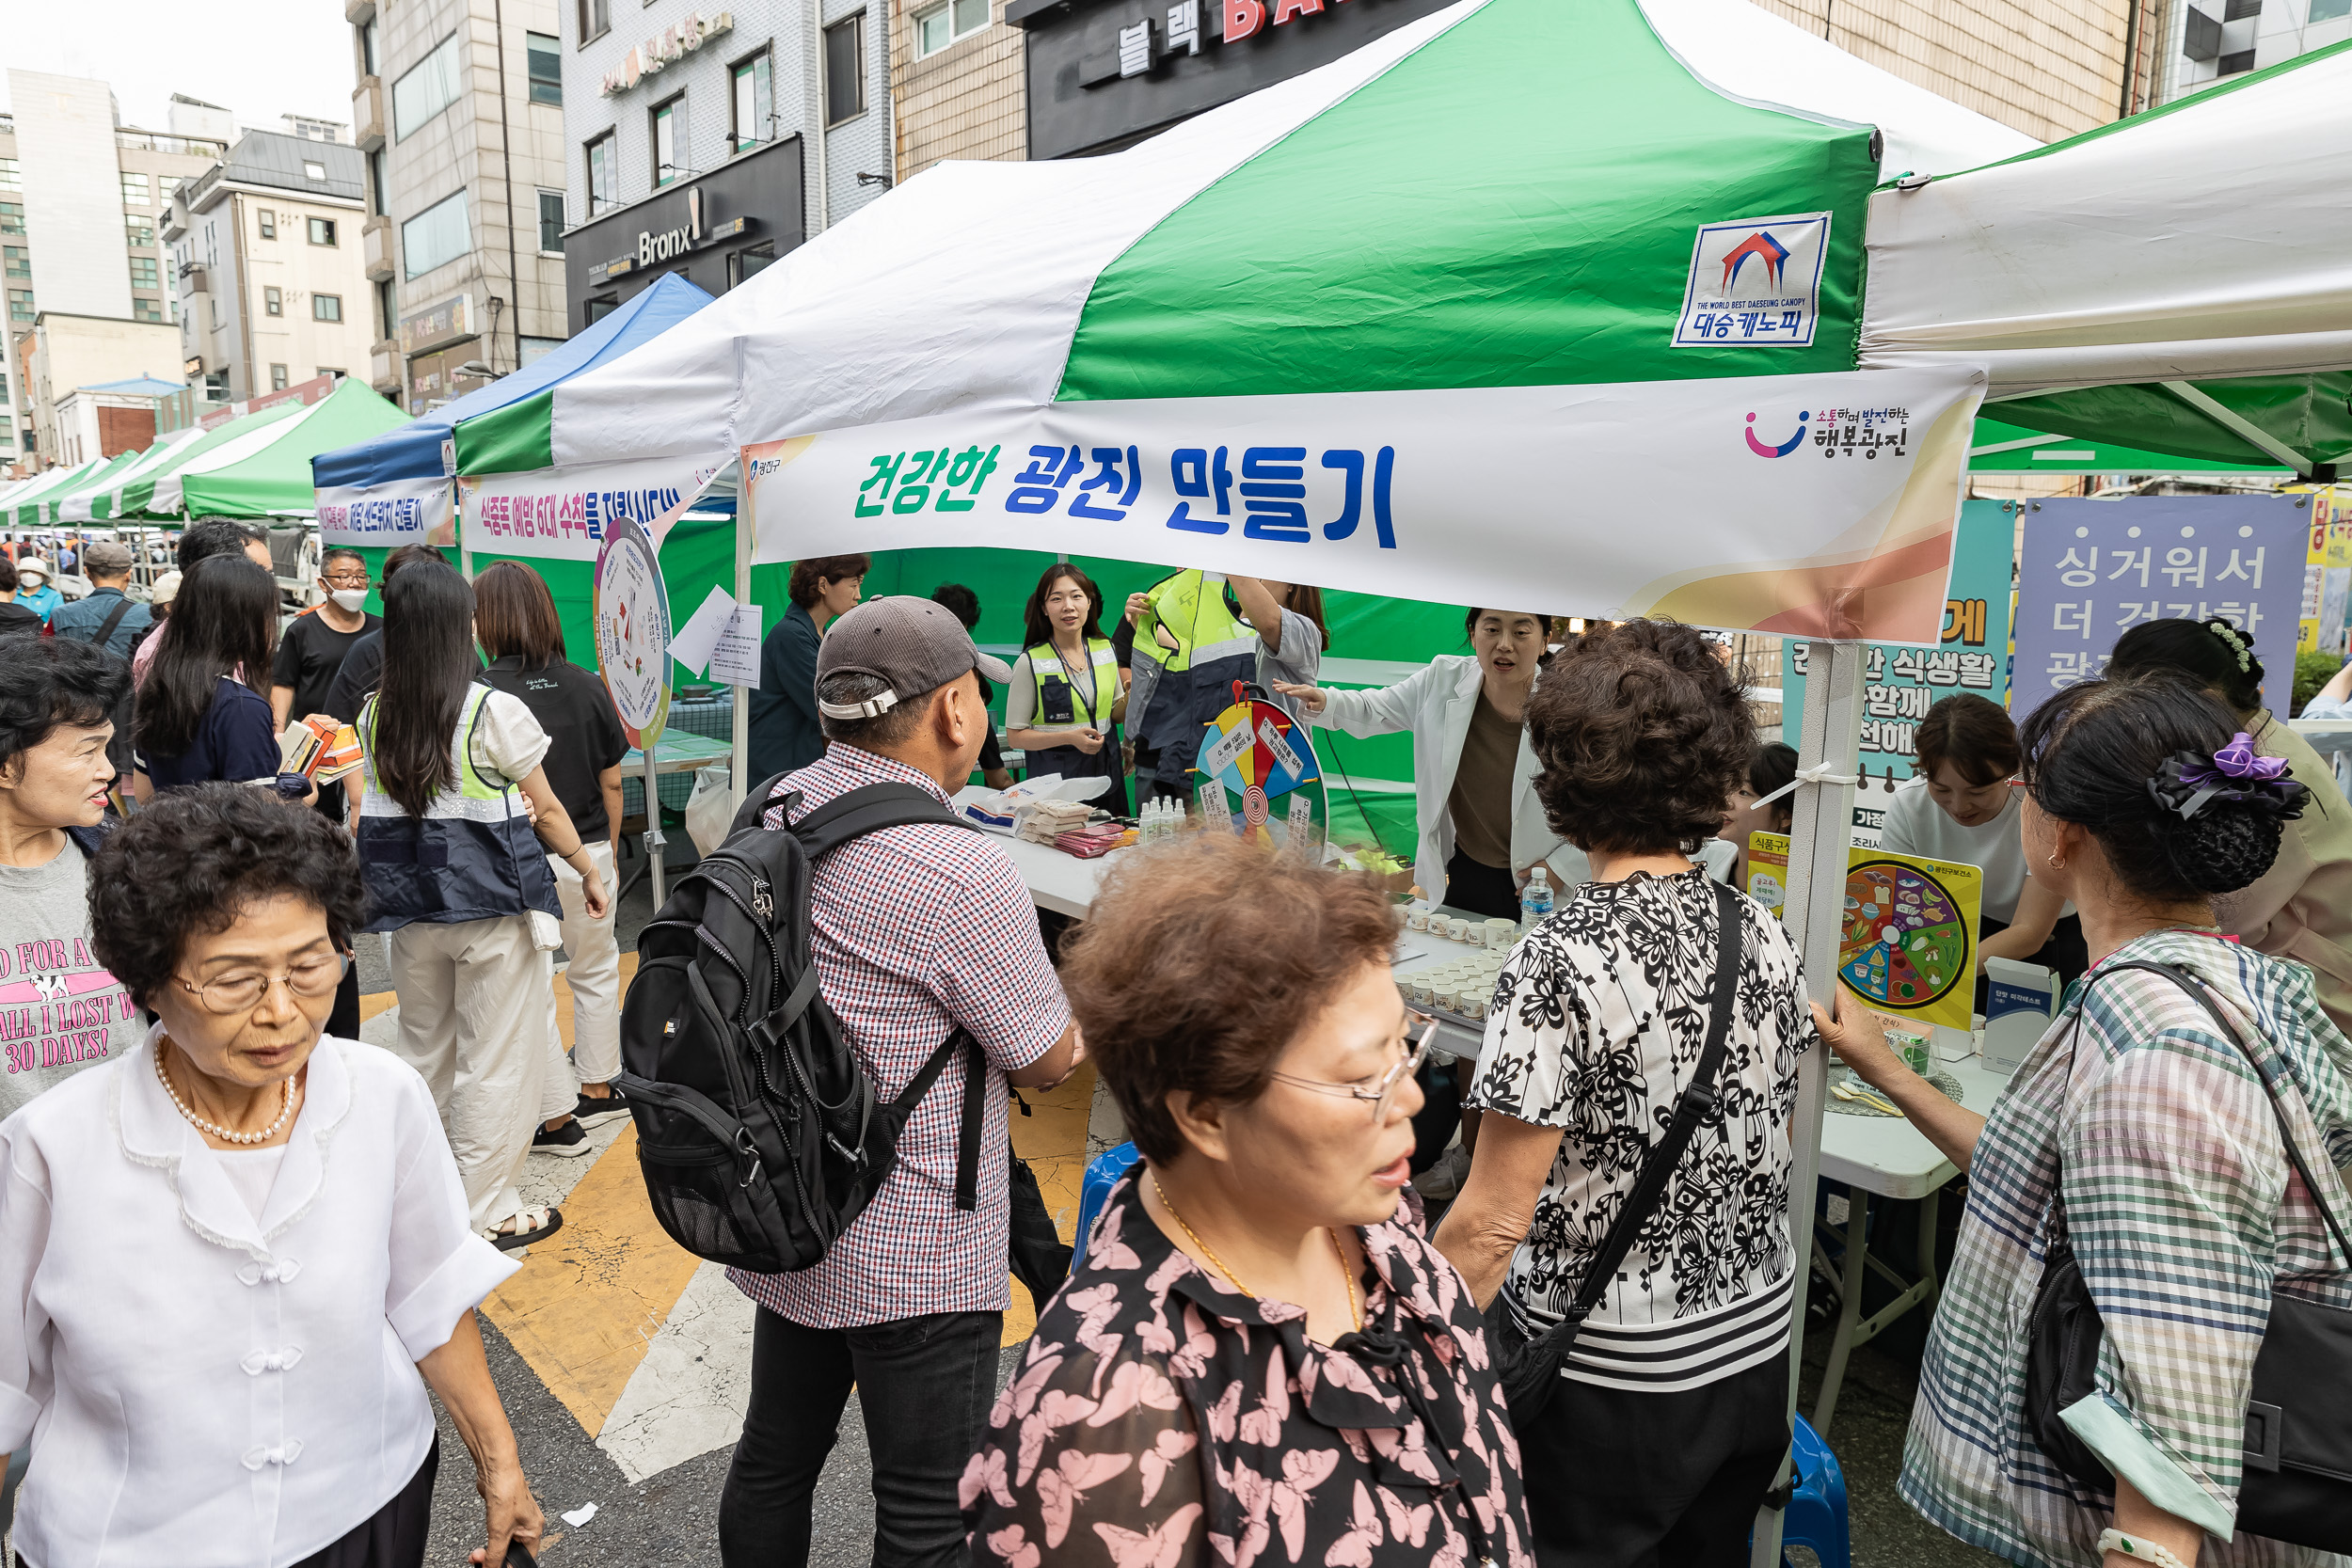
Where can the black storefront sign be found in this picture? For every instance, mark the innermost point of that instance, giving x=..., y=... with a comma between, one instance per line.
x=716, y=230
x=1103, y=74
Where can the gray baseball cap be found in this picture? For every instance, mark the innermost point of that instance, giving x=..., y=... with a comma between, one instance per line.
x=913, y=645
x=106, y=558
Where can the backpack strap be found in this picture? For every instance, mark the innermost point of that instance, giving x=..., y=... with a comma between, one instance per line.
x=1692, y=1106
x=114, y=619
x=975, y=1079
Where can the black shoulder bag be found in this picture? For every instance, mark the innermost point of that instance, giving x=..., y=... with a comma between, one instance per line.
x=1530, y=1375
x=2298, y=1481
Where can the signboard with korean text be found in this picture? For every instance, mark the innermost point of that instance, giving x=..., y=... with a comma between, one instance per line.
x=395, y=512
x=1907, y=943
x=2088, y=571
x=1509, y=494
x=1755, y=282
x=1900, y=684
x=632, y=618
x=567, y=514
x=2327, y=573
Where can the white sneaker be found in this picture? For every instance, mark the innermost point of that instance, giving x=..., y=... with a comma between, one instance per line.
x=1444, y=1180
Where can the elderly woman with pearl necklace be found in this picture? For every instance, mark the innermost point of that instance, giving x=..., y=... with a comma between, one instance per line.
x=233, y=1259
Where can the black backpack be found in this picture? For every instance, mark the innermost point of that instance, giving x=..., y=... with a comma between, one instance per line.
x=758, y=1130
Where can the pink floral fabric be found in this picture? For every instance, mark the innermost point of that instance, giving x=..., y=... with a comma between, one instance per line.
x=1163, y=1420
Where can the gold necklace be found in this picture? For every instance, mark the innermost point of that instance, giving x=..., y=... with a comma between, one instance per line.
x=1346, y=1277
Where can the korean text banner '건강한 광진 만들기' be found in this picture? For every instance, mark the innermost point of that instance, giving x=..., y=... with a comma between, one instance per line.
x=1805, y=504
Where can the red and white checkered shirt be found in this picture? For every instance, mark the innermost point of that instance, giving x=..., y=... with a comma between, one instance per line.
x=915, y=930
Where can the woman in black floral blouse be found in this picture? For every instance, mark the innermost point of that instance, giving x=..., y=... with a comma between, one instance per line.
x=1672, y=1417
x=1261, y=1360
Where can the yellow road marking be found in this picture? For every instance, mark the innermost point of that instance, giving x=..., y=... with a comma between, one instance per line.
x=1054, y=1141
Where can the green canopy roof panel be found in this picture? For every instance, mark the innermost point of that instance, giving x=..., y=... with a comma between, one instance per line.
x=1516, y=234
x=27, y=508
x=131, y=500
x=2010, y=448
x=60, y=507
x=2309, y=415
x=267, y=472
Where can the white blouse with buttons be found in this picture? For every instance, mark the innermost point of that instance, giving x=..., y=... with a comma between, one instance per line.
x=202, y=1385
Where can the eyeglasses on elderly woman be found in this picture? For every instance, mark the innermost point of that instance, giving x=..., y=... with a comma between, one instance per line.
x=1381, y=1090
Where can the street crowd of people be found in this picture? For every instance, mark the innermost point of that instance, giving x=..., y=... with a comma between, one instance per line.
x=1271, y=1351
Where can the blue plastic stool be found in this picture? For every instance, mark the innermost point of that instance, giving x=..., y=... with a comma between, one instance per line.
x=1815, y=1516
x=1103, y=1174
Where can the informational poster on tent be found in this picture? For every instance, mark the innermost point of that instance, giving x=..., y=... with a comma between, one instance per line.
x=1907, y=946
x=396, y=512
x=2088, y=571
x=1511, y=495
x=2327, y=574
x=1902, y=683
x=567, y=514
x=632, y=618
x=1756, y=283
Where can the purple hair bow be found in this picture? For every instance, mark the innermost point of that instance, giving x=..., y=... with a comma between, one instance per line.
x=2187, y=782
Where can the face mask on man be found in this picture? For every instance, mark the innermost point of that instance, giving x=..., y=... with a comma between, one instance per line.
x=349, y=599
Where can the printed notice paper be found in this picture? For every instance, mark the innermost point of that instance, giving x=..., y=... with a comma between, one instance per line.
x=691, y=646
x=735, y=657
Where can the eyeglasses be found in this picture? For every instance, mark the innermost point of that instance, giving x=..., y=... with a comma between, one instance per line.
x=229, y=994
x=1381, y=1090
x=348, y=580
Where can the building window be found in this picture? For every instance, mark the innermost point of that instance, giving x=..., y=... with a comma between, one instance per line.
x=19, y=262
x=273, y=302
x=754, y=100
x=277, y=378
x=845, y=70
x=313, y=169
x=428, y=87
x=596, y=306
x=322, y=231
x=434, y=237
x=2231, y=64
x=11, y=178
x=142, y=233
x=386, y=311
x=749, y=263
x=948, y=22
x=326, y=308
x=19, y=304
x=547, y=67
x=551, y=220
x=2327, y=11
x=665, y=118
x=135, y=188
x=145, y=274
x=595, y=18
x=145, y=309
x=268, y=221
x=367, y=47
x=603, y=173
x=11, y=216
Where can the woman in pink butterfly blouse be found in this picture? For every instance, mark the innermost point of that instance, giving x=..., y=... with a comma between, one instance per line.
x=1261, y=1360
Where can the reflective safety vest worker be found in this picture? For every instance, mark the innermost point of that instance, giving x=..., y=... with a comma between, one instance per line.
x=1214, y=648
x=1061, y=702
x=472, y=855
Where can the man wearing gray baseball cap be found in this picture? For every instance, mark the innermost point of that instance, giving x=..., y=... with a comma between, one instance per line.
x=917, y=931
x=108, y=616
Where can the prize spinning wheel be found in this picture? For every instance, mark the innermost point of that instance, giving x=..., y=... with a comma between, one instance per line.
x=1258, y=769
x=1905, y=941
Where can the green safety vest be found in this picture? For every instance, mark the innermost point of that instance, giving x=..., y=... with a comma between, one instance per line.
x=1045, y=664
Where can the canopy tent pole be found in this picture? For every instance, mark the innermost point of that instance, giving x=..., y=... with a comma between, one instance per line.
x=746, y=540
x=1828, y=749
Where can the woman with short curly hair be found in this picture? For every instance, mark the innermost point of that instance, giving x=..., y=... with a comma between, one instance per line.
x=1671, y=1418
x=275, y=1207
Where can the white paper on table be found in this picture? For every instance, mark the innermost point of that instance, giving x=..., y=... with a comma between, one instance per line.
x=692, y=643
x=735, y=655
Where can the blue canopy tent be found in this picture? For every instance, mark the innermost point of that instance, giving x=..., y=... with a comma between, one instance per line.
x=395, y=489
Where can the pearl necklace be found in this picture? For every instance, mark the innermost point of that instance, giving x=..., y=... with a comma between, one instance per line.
x=285, y=1112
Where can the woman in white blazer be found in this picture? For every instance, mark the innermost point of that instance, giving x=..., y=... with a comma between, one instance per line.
x=1476, y=843
x=226, y=1256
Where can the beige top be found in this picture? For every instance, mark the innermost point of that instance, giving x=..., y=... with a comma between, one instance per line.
x=2302, y=906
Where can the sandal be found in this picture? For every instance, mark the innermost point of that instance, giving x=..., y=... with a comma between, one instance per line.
x=530, y=1225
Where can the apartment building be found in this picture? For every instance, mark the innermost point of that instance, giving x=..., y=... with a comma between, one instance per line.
x=2207, y=41
x=82, y=197
x=709, y=142
x=458, y=115
x=265, y=251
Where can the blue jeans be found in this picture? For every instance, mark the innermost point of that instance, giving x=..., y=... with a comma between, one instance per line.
x=925, y=1386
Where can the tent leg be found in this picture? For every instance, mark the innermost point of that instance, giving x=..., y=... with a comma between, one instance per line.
x=746, y=536
x=654, y=839
x=1814, y=909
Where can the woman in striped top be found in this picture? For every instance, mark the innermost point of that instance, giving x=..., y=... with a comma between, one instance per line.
x=2148, y=1129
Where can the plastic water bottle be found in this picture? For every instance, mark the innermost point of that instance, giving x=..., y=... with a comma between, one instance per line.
x=1535, y=899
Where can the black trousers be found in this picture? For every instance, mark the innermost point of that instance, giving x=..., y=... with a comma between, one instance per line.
x=1488, y=890
x=1623, y=1479
x=925, y=1386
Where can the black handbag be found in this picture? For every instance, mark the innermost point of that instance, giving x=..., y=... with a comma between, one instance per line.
x=1530, y=1372
x=1039, y=1257
x=2298, y=1481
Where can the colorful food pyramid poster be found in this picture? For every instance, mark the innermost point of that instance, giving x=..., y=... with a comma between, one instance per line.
x=1908, y=944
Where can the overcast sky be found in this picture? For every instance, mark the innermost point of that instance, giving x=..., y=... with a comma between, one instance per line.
x=260, y=58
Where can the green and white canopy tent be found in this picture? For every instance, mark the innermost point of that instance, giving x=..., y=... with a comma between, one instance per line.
x=255, y=466
x=131, y=495
x=94, y=500
x=28, y=507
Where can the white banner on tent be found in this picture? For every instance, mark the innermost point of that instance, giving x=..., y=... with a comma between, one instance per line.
x=396, y=512
x=563, y=514
x=1818, y=505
